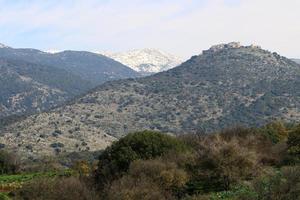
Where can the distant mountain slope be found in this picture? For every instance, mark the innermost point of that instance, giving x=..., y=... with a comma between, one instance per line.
x=32, y=80
x=96, y=68
x=146, y=61
x=27, y=87
x=226, y=85
x=89, y=66
x=297, y=60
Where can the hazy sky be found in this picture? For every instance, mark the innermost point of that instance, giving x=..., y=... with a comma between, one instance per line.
x=181, y=27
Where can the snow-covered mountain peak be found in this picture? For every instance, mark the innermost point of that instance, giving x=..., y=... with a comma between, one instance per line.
x=146, y=61
x=3, y=46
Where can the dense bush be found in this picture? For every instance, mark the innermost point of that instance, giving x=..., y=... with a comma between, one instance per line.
x=281, y=185
x=115, y=160
x=56, y=189
x=293, y=146
x=128, y=188
x=82, y=168
x=221, y=164
x=4, y=197
x=234, y=164
x=276, y=131
x=9, y=162
x=166, y=177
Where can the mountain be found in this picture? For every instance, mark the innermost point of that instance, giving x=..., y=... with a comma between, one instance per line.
x=33, y=81
x=89, y=66
x=225, y=85
x=146, y=61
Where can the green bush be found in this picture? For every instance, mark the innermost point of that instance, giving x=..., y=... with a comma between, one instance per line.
x=4, y=197
x=115, y=160
x=293, y=146
x=276, y=131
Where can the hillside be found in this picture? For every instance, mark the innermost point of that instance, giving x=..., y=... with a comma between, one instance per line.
x=89, y=66
x=226, y=85
x=27, y=87
x=146, y=61
x=33, y=81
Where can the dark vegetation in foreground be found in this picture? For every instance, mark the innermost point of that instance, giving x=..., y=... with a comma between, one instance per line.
x=238, y=163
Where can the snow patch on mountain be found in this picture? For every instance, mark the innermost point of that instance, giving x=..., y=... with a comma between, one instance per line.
x=146, y=61
x=3, y=46
x=53, y=51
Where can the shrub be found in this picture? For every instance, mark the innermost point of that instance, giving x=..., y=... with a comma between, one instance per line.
x=228, y=164
x=57, y=145
x=166, y=174
x=167, y=178
x=4, y=197
x=282, y=185
x=293, y=146
x=82, y=168
x=276, y=131
x=9, y=162
x=115, y=160
x=237, y=193
x=129, y=188
x=221, y=163
x=55, y=189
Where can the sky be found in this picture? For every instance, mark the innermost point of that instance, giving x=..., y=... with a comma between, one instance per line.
x=181, y=27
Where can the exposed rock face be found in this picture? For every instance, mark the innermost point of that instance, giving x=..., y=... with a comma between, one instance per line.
x=220, y=88
x=219, y=47
x=232, y=45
